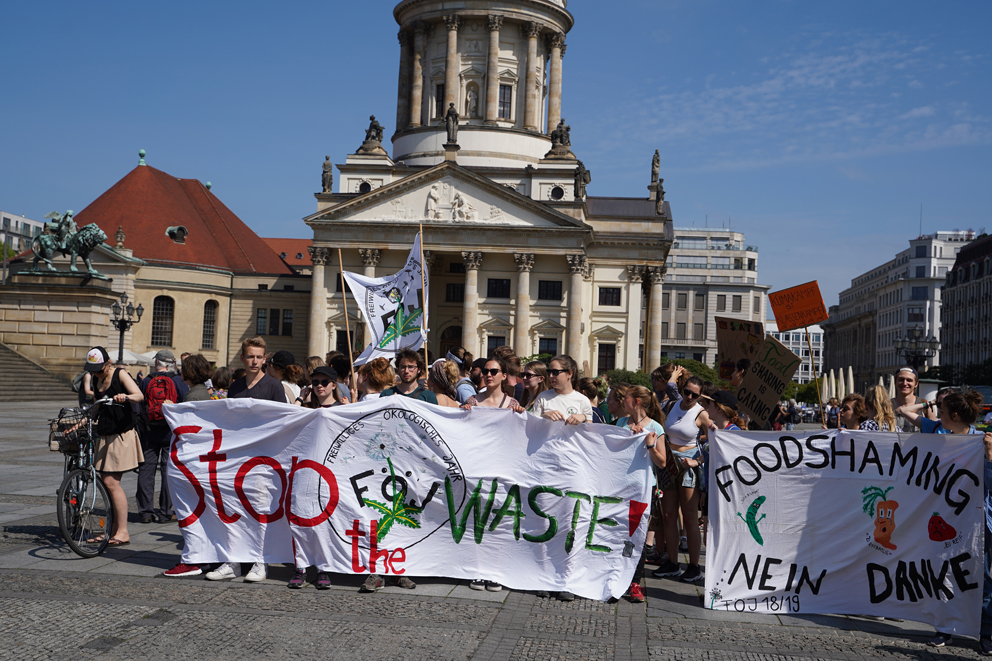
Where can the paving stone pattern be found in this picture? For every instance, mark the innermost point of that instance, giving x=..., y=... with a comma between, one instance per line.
x=55, y=605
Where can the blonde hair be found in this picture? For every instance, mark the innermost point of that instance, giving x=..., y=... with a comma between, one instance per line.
x=877, y=398
x=252, y=342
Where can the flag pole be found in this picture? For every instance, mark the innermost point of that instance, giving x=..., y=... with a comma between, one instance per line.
x=347, y=327
x=423, y=292
x=816, y=379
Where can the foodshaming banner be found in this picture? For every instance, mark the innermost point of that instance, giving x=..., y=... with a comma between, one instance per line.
x=397, y=486
x=847, y=522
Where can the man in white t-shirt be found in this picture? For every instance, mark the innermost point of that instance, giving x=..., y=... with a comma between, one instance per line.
x=564, y=402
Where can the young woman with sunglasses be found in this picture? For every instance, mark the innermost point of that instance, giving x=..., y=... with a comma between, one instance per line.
x=684, y=424
x=564, y=403
x=493, y=395
x=322, y=393
x=535, y=380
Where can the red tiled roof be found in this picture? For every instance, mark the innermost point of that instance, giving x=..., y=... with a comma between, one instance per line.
x=291, y=248
x=148, y=201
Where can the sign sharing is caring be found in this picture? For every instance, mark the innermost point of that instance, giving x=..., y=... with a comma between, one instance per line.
x=396, y=486
x=736, y=339
x=766, y=380
x=798, y=307
x=867, y=523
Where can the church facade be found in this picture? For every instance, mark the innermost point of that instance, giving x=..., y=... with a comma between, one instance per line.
x=518, y=252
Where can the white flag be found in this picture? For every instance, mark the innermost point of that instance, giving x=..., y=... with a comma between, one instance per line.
x=394, y=307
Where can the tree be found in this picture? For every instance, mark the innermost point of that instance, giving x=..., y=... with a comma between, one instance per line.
x=698, y=369
x=806, y=393
x=637, y=378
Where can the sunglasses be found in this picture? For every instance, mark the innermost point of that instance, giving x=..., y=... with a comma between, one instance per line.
x=688, y=394
x=323, y=383
x=492, y=372
x=529, y=375
x=557, y=372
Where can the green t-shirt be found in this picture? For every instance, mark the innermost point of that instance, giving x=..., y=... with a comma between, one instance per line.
x=421, y=393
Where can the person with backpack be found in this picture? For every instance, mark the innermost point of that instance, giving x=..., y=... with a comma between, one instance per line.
x=161, y=386
x=792, y=416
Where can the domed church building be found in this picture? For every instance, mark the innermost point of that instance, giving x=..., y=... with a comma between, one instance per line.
x=518, y=251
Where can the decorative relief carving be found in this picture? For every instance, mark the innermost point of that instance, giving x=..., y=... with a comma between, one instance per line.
x=404, y=39
x=555, y=40
x=452, y=21
x=577, y=263
x=473, y=260
x=635, y=273
x=495, y=213
x=319, y=256
x=370, y=256
x=524, y=260
x=433, y=203
x=655, y=275
x=495, y=22
x=532, y=29
x=429, y=260
x=461, y=210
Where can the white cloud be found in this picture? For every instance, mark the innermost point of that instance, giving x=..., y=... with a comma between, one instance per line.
x=925, y=111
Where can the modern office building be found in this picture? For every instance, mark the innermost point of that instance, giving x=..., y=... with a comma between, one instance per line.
x=16, y=232
x=798, y=344
x=885, y=303
x=711, y=273
x=966, y=314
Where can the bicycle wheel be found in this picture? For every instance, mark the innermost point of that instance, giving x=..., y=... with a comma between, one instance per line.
x=85, y=513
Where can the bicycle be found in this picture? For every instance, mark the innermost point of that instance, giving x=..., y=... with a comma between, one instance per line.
x=85, y=511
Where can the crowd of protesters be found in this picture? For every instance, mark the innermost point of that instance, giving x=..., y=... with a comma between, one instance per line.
x=678, y=415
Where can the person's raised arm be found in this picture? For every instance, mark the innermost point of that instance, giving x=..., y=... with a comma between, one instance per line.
x=911, y=413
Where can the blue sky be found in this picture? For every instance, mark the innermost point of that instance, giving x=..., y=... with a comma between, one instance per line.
x=818, y=129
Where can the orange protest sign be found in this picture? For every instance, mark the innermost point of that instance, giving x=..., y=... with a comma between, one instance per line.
x=798, y=307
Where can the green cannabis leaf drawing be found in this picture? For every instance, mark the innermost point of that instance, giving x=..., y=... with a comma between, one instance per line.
x=396, y=512
x=403, y=325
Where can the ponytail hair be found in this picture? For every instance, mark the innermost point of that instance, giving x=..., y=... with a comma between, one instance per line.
x=648, y=402
x=966, y=406
x=567, y=363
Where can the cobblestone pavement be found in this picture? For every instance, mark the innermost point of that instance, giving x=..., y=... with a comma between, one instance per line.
x=55, y=605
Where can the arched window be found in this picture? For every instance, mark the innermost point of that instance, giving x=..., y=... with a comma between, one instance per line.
x=209, y=325
x=162, y=312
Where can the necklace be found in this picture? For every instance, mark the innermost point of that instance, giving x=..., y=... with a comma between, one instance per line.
x=641, y=419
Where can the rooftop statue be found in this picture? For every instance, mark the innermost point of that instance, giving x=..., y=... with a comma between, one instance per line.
x=451, y=124
x=327, y=176
x=67, y=241
x=655, y=167
x=582, y=179
x=373, y=138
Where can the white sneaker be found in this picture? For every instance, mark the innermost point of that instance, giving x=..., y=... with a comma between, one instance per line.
x=222, y=572
x=256, y=574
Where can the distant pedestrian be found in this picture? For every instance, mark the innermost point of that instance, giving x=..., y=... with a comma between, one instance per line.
x=162, y=386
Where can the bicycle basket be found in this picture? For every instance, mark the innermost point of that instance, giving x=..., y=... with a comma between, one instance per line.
x=68, y=431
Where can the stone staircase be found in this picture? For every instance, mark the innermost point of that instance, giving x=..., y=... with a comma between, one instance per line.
x=22, y=380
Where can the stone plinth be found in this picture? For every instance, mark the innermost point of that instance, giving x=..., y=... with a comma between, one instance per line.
x=451, y=152
x=55, y=320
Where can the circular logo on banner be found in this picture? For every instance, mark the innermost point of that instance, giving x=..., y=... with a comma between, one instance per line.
x=391, y=467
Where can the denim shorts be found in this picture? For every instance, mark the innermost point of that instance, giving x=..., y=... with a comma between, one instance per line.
x=690, y=479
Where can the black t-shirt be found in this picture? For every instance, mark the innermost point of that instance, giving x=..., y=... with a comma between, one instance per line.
x=266, y=388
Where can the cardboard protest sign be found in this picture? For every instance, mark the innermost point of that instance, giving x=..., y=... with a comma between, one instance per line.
x=798, y=307
x=395, y=486
x=764, y=383
x=867, y=523
x=736, y=339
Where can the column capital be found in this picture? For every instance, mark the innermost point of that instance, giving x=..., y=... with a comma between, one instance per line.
x=473, y=260
x=404, y=38
x=451, y=21
x=430, y=257
x=524, y=260
x=419, y=26
x=655, y=275
x=370, y=256
x=555, y=40
x=319, y=256
x=532, y=29
x=564, y=47
x=577, y=264
x=495, y=22
x=635, y=273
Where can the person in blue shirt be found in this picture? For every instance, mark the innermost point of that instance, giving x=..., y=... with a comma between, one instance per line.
x=957, y=413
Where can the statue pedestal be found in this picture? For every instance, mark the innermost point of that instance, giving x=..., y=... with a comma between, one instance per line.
x=451, y=152
x=560, y=153
x=372, y=147
x=61, y=278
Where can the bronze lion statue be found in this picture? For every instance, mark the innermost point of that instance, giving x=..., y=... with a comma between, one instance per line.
x=79, y=244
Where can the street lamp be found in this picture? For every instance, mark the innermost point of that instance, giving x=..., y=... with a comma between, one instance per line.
x=916, y=348
x=123, y=320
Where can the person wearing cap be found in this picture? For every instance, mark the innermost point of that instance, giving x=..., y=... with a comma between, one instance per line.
x=282, y=367
x=322, y=393
x=117, y=448
x=256, y=384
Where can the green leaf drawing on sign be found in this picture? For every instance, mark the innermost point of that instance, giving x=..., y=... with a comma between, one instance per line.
x=396, y=511
x=403, y=325
x=870, y=496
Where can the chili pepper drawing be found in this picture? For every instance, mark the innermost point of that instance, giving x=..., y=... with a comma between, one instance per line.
x=873, y=501
x=751, y=521
x=940, y=530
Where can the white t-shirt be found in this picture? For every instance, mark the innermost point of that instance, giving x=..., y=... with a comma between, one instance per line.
x=570, y=404
x=369, y=397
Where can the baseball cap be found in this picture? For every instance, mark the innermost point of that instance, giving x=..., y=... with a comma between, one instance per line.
x=96, y=358
x=165, y=356
x=283, y=359
x=726, y=398
x=324, y=370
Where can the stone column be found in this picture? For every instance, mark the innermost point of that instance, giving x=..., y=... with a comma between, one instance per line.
x=492, y=70
x=317, y=326
x=533, y=98
x=451, y=65
x=470, y=307
x=556, y=43
x=521, y=318
x=654, y=276
x=573, y=342
x=403, y=91
x=370, y=258
x=417, y=83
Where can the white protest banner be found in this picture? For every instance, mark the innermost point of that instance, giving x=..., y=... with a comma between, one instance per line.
x=398, y=486
x=850, y=522
x=393, y=306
